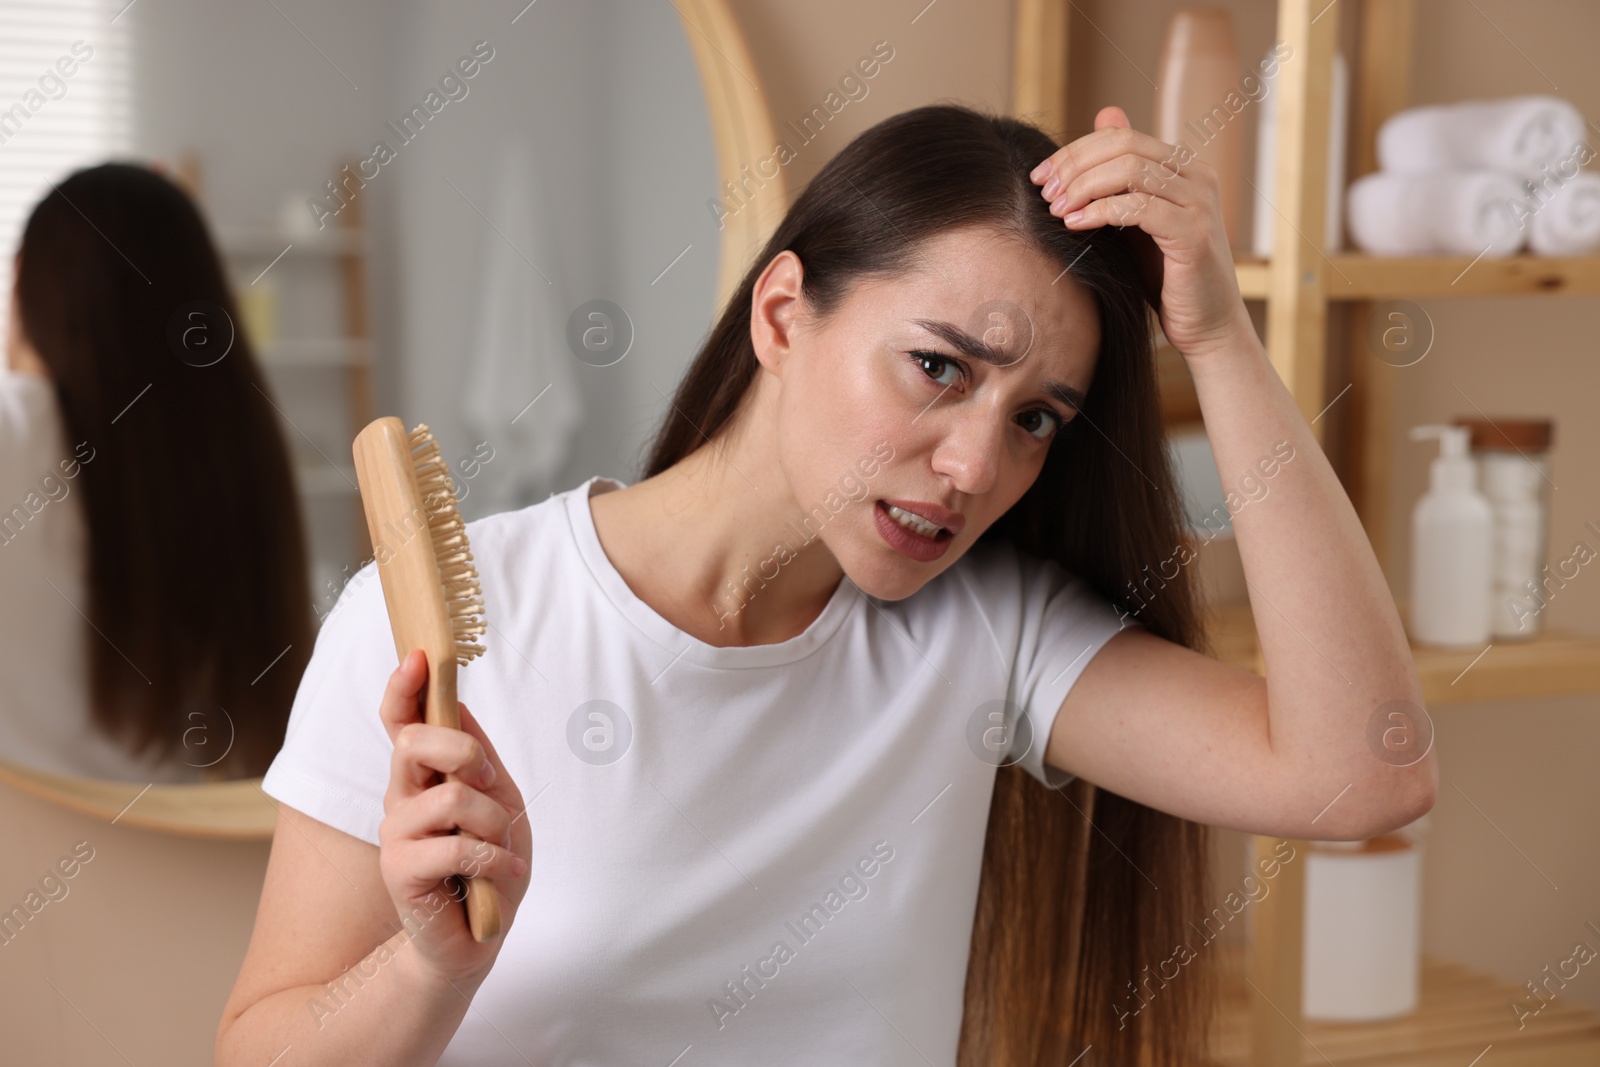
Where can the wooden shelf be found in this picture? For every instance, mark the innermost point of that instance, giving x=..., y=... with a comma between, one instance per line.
x=1460, y=1013
x=1255, y=276
x=1354, y=276
x=1551, y=664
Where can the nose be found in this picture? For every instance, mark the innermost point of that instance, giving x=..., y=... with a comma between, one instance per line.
x=969, y=453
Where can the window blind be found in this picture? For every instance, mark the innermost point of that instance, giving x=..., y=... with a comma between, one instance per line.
x=64, y=104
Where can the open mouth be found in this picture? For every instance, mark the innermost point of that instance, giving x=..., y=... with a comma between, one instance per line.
x=915, y=523
x=910, y=534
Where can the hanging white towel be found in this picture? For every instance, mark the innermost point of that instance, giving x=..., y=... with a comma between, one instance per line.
x=519, y=348
x=1565, y=218
x=1460, y=213
x=1519, y=134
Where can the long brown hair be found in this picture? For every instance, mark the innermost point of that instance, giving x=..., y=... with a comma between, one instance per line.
x=197, y=574
x=1083, y=892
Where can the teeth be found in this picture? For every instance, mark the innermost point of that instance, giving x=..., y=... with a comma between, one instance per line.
x=913, y=522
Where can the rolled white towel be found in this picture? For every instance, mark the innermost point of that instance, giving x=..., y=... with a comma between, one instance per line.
x=1518, y=134
x=1458, y=213
x=1564, y=218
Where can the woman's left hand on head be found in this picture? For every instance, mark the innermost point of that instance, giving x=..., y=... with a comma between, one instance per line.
x=1117, y=176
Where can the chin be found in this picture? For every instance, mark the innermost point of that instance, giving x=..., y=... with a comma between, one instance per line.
x=885, y=574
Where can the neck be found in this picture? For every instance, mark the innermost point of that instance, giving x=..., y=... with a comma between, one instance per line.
x=716, y=544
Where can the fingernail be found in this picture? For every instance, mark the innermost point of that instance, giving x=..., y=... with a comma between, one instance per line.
x=1052, y=187
x=1041, y=170
x=486, y=775
x=519, y=866
x=1074, y=217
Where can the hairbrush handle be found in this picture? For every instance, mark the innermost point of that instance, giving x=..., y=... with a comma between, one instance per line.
x=440, y=708
x=403, y=526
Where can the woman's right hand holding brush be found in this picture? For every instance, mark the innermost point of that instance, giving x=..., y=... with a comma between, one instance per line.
x=418, y=848
x=333, y=974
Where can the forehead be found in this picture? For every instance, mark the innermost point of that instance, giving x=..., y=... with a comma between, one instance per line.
x=996, y=286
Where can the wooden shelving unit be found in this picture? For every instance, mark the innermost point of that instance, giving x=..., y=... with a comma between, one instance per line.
x=1300, y=285
x=1551, y=664
x=1371, y=278
x=1303, y=287
x=251, y=249
x=1461, y=1014
x=349, y=352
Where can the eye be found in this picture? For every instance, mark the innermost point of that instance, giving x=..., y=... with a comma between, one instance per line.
x=944, y=362
x=1046, y=422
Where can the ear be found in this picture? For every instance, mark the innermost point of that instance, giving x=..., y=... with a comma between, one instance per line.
x=774, y=303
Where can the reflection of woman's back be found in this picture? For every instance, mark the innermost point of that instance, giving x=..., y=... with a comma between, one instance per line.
x=152, y=565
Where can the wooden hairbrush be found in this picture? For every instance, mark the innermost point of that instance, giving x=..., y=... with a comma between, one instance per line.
x=430, y=585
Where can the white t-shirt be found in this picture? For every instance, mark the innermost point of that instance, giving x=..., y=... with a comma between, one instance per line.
x=44, y=631
x=761, y=854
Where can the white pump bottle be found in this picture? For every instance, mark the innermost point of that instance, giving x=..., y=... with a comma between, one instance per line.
x=1451, y=542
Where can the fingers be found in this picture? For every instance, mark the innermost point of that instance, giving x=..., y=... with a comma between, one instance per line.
x=399, y=704
x=1104, y=144
x=1110, y=115
x=446, y=807
x=483, y=860
x=422, y=751
x=503, y=787
x=1125, y=173
x=1159, y=218
x=414, y=868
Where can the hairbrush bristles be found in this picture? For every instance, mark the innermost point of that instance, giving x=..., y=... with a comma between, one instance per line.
x=463, y=595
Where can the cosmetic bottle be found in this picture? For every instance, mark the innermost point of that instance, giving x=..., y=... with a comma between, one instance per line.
x=1451, y=545
x=1512, y=456
x=1199, y=71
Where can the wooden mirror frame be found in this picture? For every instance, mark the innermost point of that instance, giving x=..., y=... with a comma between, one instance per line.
x=741, y=127
x=232, y=811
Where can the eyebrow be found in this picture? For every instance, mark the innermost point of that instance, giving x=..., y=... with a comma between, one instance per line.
x=975, y=348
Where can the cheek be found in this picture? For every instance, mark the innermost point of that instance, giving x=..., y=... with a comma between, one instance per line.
x=885, y=434
x=833, y=422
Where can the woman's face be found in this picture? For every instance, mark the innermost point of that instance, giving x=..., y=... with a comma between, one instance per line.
x=887, y=405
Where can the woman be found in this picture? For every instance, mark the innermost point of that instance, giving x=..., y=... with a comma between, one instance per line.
x=742, y=801
x=151, y=558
